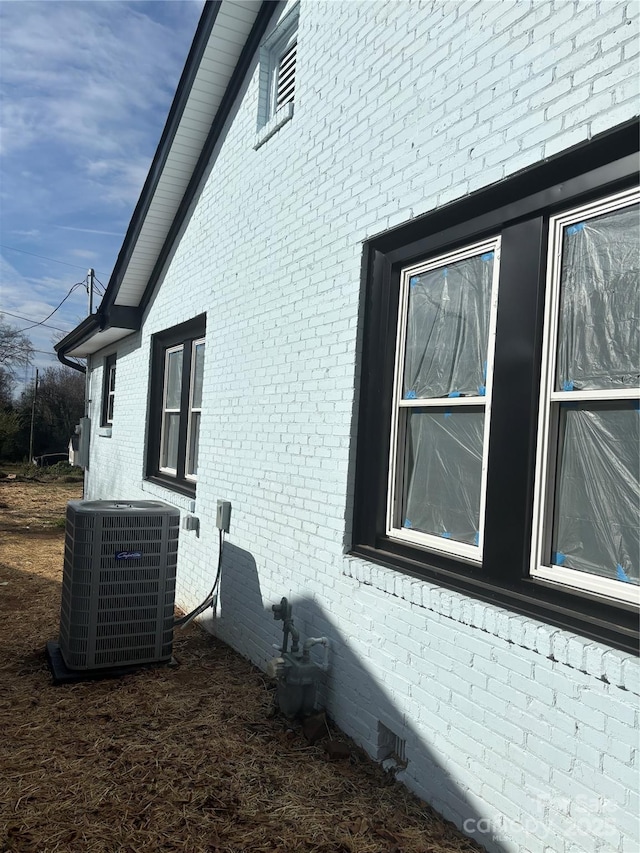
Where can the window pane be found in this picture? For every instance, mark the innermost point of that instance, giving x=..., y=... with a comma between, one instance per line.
x=599, y=321
x=448, y=328
x=169, y=454
x=173, y=379
x=112, y=378
x=597, y=504
x=194, y=436
x=110, y=408
x=443, y=471
x=198, y=367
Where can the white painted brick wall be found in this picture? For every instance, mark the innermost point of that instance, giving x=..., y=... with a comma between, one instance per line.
x=400, y=107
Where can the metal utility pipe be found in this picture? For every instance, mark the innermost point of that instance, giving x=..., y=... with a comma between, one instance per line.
x=317, y=641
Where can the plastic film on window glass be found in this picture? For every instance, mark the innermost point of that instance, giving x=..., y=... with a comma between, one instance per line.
x=448, y=328
x=169, y=456
x=198, y=357
x=442, y=472
x=173, y=379
x=597, y=493
x=599, y=321
x=194, y=437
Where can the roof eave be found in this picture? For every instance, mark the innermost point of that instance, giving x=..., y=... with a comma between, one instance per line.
x=117, y=323
x=198, y=46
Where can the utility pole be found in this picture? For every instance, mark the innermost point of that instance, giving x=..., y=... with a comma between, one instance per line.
x=33, y=417
x=90, y=277
x=87, y=385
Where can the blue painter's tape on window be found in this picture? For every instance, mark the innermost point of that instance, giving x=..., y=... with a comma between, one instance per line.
x=636, y=406
x=445, y=272
x=482, y=390
x=407, y=523
x=454, y=394
x=622, y=575
x=447, y=413
x=414, y=280
x=567, y=385
x=410, y=395
x=574, y=229
x=488, y=256
x=476, y=538
x=484, y=371
x=446, y=535
x=558, y=558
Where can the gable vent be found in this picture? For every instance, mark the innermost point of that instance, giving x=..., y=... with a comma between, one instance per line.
x=285, y=86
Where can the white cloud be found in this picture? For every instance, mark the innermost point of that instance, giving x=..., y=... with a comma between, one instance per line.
x=33, y=232
x=91, y=79
x=91, y=230
x=86, y=91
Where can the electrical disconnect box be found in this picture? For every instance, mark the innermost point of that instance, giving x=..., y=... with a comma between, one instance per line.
x=223, y=515
x=79, y=444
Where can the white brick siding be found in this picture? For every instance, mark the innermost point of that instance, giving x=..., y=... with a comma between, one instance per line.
x=400, y=107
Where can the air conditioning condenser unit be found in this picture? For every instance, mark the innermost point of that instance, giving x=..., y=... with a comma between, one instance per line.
x=118, y=588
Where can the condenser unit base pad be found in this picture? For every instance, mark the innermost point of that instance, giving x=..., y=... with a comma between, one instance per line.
x=61, y=674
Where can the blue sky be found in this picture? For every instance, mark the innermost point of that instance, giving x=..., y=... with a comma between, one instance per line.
x=86, y=89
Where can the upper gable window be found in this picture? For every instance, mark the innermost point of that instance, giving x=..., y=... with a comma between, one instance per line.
x=278, y=67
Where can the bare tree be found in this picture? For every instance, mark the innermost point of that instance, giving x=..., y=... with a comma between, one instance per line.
x=15, y=348
x=59, y=407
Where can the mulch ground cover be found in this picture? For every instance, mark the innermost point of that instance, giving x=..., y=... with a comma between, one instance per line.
x=186, y=758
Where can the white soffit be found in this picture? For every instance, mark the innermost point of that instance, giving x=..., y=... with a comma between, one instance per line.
x=98, y=341
x=230, y=31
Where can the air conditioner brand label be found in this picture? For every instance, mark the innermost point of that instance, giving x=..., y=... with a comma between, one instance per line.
x=128, y=555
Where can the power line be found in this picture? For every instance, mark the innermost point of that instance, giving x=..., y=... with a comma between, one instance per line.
x=43, y=257
x=31, y=320
x=42, y=322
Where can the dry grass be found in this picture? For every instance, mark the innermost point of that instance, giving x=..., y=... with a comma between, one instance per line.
x=166, y=759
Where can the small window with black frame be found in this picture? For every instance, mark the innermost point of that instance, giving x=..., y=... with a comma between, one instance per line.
x=176, y=405
x=108, y=390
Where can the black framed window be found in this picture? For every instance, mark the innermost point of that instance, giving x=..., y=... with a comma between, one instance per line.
x=469, y=455
x=108, y=390
x=177, y=367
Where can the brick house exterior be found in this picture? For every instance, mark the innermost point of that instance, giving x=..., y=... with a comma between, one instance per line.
x=518, y=716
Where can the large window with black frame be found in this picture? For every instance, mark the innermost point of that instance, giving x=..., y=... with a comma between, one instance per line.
x=499, y=418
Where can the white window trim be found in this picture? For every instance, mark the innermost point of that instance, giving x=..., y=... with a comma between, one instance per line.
x=192, y=477
x=271, y=119
x=462, y=550
x=111, y=394
x=165, y=409
x=546, y=454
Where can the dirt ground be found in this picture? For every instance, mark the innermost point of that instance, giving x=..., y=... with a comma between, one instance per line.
x=166, y=759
